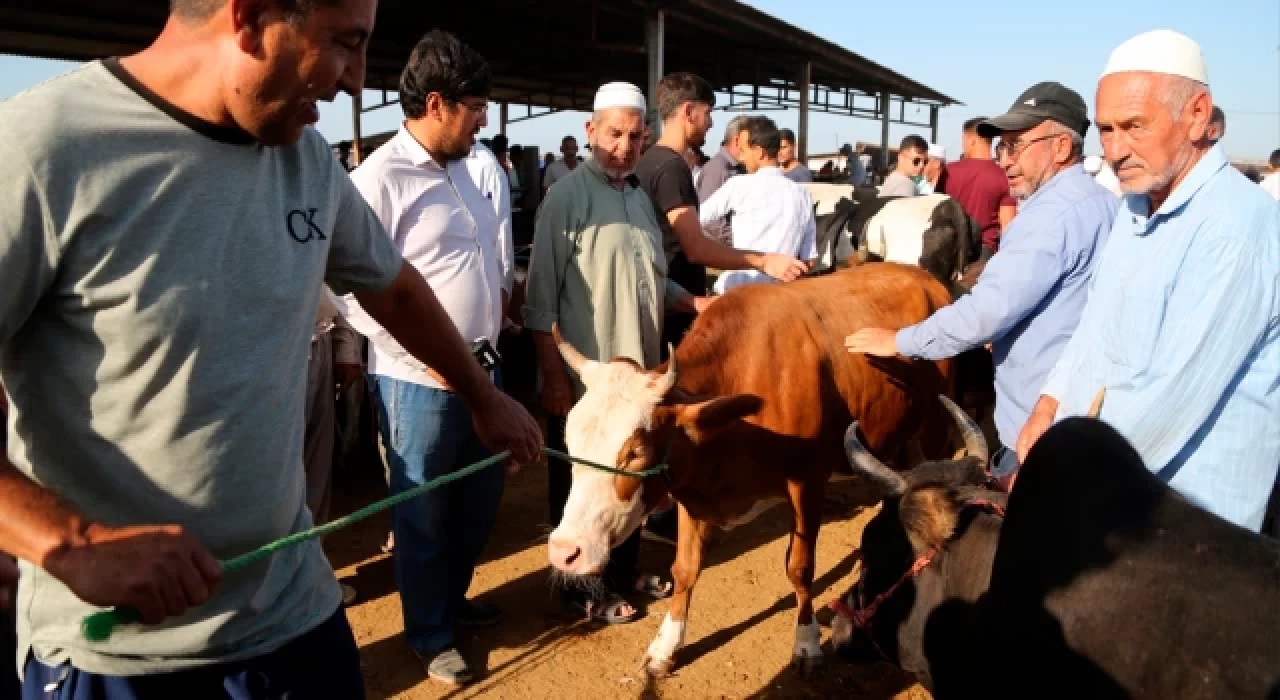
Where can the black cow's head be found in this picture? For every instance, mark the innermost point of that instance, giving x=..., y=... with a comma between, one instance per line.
x=925, y=510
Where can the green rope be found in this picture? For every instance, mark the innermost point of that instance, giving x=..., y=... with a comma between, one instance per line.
x=99, y=626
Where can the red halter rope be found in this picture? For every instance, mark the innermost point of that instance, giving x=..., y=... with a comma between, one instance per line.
x=860, y=619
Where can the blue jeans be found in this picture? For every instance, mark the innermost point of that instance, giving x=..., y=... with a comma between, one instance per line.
x=427, y=433
x=323, y=663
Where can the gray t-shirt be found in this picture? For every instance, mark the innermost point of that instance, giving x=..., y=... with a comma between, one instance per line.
x=161, y=279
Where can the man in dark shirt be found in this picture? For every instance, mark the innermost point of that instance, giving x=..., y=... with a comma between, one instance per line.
x=980, y=186
x=684, y=102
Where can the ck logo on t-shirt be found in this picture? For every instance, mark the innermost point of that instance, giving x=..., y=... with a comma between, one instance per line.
x=302, y=225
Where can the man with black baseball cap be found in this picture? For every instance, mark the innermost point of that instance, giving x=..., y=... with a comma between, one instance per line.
x=1028, y=301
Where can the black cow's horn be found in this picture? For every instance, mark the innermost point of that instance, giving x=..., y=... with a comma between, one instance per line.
x=975, y=444
x=865, y=464
x=571, y=356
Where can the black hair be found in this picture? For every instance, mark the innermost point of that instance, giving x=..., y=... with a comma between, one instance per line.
x=678, y=88
x=787, y=135
x=762, y=132
x=199, y=10
x=1274, y=161
x=914, y=141
x=442, y=64
x=971, y=125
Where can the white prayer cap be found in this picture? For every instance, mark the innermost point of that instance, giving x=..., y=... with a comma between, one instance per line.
x=1092, y=164
x=619, y=95
x=938, y=151
x=1159, y=51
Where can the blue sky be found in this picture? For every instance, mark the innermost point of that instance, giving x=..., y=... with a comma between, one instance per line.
x=981, y=59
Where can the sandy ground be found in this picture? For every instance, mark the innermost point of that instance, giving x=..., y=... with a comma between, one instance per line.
x=739, y=638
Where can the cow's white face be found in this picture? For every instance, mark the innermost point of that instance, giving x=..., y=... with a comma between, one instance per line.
x=609, y=426
x=625, y=420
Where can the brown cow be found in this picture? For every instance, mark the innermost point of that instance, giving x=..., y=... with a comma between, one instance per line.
x=753, y=416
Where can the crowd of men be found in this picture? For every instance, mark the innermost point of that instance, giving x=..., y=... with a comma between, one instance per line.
x=171, y=360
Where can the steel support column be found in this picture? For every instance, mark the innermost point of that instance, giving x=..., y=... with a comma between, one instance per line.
x=884, y=130
x=357, y=100
x=802, y=132
x=654, y=40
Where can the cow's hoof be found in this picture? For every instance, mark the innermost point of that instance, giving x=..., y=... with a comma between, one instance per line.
x=657, y=668
x=806, y=663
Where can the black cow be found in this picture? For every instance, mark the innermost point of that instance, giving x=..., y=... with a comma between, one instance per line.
x=1100, y=582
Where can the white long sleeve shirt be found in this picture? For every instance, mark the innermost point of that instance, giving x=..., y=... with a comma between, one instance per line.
x=446, y=225
x=771, y=214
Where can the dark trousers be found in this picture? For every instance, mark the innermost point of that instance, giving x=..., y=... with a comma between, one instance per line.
x=623, y=568
x=323, y=663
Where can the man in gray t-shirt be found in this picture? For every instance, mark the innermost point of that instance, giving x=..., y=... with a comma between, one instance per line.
x=164, y=233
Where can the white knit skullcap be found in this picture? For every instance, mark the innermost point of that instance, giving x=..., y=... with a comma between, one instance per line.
x=619, y=95
x=938, y=151
x=1159, y=51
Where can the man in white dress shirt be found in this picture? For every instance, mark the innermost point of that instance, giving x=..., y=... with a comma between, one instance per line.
x=771, y=214
x=435, y=197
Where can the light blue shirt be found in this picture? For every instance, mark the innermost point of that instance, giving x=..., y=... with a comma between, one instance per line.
x=1182, y=328
x=1029, y=298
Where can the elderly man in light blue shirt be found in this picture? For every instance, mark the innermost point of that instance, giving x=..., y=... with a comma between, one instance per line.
x=1182, y=327
x=1029, y=298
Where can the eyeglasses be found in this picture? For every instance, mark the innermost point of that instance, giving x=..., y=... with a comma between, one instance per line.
x=1015, y=148
x=477, y=108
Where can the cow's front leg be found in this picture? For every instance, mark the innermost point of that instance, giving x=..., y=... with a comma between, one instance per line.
x=807, y=505
x=690, y=540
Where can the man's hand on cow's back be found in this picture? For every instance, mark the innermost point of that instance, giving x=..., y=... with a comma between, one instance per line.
x=159, y=570
x=502, y=423
x=783, y=267
x=880, y=342
x=1041, y=418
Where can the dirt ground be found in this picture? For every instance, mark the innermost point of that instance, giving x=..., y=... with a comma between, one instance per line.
x=738, y=643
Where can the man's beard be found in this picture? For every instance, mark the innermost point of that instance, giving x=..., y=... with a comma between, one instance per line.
x=613, y=171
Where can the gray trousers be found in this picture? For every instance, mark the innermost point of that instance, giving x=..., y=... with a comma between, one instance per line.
x=317, y=446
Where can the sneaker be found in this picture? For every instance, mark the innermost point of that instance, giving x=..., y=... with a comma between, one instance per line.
x=472, y=614
x=447, y=666
x=661, y=527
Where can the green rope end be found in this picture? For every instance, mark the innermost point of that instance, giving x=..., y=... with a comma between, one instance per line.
x=99, y=626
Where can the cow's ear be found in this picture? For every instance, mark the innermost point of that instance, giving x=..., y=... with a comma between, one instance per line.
x=703, y=420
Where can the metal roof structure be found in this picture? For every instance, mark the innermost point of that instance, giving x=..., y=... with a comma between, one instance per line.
x=551, y=55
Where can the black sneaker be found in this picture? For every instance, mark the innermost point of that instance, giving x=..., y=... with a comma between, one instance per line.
x=473, y=614
x=661, y=527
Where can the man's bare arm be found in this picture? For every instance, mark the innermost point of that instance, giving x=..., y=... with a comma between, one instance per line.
x=705, y=251
x=160, y=570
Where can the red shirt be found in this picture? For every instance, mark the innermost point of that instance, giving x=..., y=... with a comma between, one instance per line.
x=981, y=188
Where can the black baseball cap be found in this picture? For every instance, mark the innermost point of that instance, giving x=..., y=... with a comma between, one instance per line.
x=1040, y=102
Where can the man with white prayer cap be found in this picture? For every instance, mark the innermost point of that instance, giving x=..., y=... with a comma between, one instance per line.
x=599, y=273
x=1182, y=327
x=935, y=170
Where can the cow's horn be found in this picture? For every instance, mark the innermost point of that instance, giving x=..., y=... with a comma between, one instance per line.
x=668, y=381
x=865, y=464
x=571, y=356
x=975, y=444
